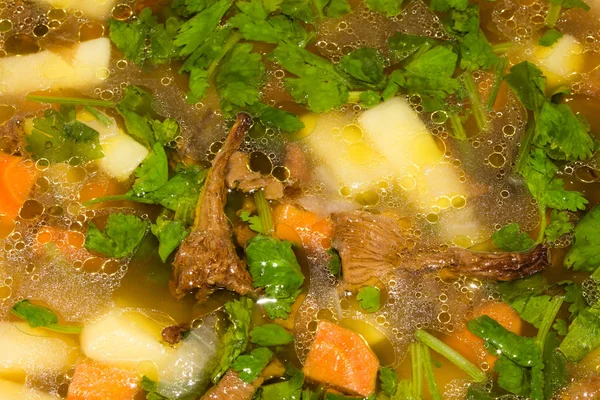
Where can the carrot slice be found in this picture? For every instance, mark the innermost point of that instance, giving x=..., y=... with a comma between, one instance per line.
x=341, y=358
x=17, y=177
x=96, y=381
x=471, y=346
x=302, y=227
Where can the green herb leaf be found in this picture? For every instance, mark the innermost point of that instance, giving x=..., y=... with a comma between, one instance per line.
x=335, y=263
x=511, y=377
x=274, y=267
x=574, y=295
x=560, y=224
x=290, y=389
x=510, y=238
x=556, y=375
x=41, y=317
x=390, y=8
x=153, y=173
x=255, y=222
x=369, y=298
x=476, y=52
x=270, y=335
x=583, y=335
x=583, y=254
x=550, y=37
x=389, y=381
x=235, y=340
x=447, y=5
x=529, y=84
x=170, y=234
x=151, y=387
x=364, y=64
x=122, y=235
x=58, y=137
x=276, y=118
x=249, y=366
x=402, y=45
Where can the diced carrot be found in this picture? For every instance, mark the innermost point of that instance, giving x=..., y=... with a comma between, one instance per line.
x=96, y=381
x=17, y=177
x=471, y=346
x=302, y=227
x=95, y=190
x=341, y=358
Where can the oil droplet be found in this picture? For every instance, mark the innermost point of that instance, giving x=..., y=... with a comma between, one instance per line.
x=360, y=153
x=40, y=31
x=76, y=174
x=497, y=160
x=281, y=173
x=259, y=162
x=5, y=292
x=57, y=14
x=462, y=241
x=459, y=201
x=102, y=73
x=90, y=30
x=122, y=12
x=31, y=209
x=408, y=183
x=5, y=25
x=345, y=191
x=432, y=218
x=21, y=44
x=352, y=133
x=310, y=124
x=54, y=24
x=443, y=202
x=439, y=117
x=110, y=267
x=368, y=198
x=7, y=226
x=92, y=265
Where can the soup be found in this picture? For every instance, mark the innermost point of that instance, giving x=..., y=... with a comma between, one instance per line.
x=299, y=200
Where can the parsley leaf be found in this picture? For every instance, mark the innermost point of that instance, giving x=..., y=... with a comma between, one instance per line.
x=583, y=335
x=364, y=64
x=240, y=76
x=144, y=38
x=510, y=238
x=122, y=235
x=335, y=263
x=235, y=340
x=275, y=118
x=180, y=193
x=170, y=234
x=561, y=134
x=249, y=366
x=402, y=45
x=274, y=267
x=476, y=52
x=389, y=381
x=583, y=254
x=550, y=37
x=529, y=84
x=58, y=137
x=526, y=297
x=290, y=389
x=560, y=224
x=574, y=295
x=41, y=317
x=319, y=84
x=555, y=367
x=152, y=173
x=369, y=298
x=151, y=387
x=447, y=5
x=255, y=222
x=194, y=32
x=390, y=8
x=270, y=335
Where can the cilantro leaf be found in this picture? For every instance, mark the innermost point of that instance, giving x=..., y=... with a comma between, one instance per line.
x=560, y=224
x=240, y=76
x=259, y=27
x=574, y=295
x=560, y=326
x=58, y=137
x=122, y=235
x=194, y=32
x=319, y=84
x=290, y=389
x=270, y=335
x=273, y=266
x=335, y=263
x=511, y=377
x=555, y=367
x=583, y=335
x=151, y=388
x=476, y=52
x=276, y=118
x=255, y=222
x=249, y=366
x=144, y=38
x=391, y=8
x=447, y=5
x=526, y=297
x=235, y=340
x=583, y=254
x=365, y=64
x=402, y=45
x=550, y=37
x=389, y=381
x=369, y=298
x=561, y=134
x=529, y=84
x=41, y=317
x=510, y=238
x=300, y=9
x=152, y=173
x=170, y=234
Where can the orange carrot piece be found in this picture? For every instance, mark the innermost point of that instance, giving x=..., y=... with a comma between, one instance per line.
x=96, y=381
x=302, y=227
x=342, y=359
x=471, y=346
x=17, y=177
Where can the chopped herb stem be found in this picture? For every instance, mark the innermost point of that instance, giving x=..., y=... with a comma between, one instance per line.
x=502, y=48
x=354, y=96
x=553, y=14
x=499, y=71
x=543, y=224
x=457, y=127
x=434, y=391
x=523, y=155
x=103, y=119
x=69, y=329
x=71, y=100
x=476, y=107
x=118, y=197
x=264, y=212
x=549, y=317
x=452, y=355
x=233, y=39
x=416, y=361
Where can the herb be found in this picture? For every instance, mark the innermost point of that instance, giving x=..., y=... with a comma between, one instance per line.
x=557, y=5
x=529, y=84
x=122, y=235
x=365, y=65
x=391, y=8
x=254, y=221
x=560, y=224
x=476, y=52
x=153, y=173
x=151, y=388
x=311, y=11
x=429, y=376
x=235, y=340
x=249, y=366
x=274, y=267
x=318, y=83
x=275, y=118
x=335, y=263
x=510, y=238
x=560, y=326
x=270, y=335
x=574, y=295
x=526, y=297
x=447, y=5
x=369, y=298
x=402, y=45
x=550, y=37
x=58, y=137
x=240, y=77
x=555, y=367
x=41, y=317
x=389, y=380
x=583, y=335
x=170, y=234
x=144, y=39
x=290, y=389
x=583, y=254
